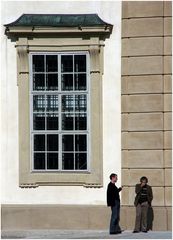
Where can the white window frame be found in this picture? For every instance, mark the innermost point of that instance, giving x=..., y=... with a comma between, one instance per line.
x=60, y=132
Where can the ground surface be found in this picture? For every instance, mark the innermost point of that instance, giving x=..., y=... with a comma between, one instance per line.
x=83, y=234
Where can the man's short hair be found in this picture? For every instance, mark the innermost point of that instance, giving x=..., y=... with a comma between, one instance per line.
x=144, y=178
x=112, y=175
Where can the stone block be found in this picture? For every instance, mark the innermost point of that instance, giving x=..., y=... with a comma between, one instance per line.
x=142, y=9
x=123, y=218
x=131, y=177
x=125, y=196
x=169, y=218
x=96, y=213
x=160, y=219
x=167, y=26
x=142, y=46
x=142, y=159
x=167, y=45
x=168, y=196
x=167, y=140
x=142, y=140
x=167, y=121
x=143, y=65
x=167, y=83
x=131, y=214
x=142, y=84
x=167, y=8
x=144, y=103
x=168, y=177
x=167, y=158
x=142, y=121
x=167, y=65
x=142, y=27
x=167, y=102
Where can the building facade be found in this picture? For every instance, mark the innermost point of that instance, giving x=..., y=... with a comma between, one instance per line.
x=107, y=116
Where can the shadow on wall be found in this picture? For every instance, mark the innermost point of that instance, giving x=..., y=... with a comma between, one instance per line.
x=150, y=218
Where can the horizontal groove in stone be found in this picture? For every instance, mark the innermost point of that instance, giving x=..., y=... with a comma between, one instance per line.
x=137, y=56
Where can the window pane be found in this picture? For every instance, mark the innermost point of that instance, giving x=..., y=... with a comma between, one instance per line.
x=67, y=63
x=80, y=103
x=51, y=63
x=52, y=160
x=67, y=161
x=67, y=82
x=38, y=63
x=51, y=82
x=39, y=160
x=67, y=121
x=80, y=143
x=67, y=103
x=38, y=82
x=39, y=142
x=52, y=142
x=39, y=103
x=52, y=121
x=39, y=121
x=67, y=143
x=80, y=63
x=80, y=82
x=81, y=161
x=81, y=121
x=52, y=103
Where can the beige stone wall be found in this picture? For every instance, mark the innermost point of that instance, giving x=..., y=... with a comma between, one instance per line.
x=146, y=104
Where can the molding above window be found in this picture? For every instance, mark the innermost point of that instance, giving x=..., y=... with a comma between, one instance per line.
x=44, y=39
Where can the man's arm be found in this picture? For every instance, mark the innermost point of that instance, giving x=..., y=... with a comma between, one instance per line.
x=138, y=188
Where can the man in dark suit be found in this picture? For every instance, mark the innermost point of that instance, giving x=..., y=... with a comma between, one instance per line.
x=143, y=199
x=113, y=201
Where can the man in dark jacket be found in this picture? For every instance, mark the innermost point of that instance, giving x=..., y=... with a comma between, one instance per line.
x=143, y=199
x=113, y=201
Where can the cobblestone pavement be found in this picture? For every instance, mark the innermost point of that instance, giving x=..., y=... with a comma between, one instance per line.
x=83, y=234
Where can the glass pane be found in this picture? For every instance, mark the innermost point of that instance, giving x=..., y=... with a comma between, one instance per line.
x=39, y=160
x=80, y=63
x=38, y=82
x=52, y=121
x=52, y=142
x=51, y=82
x=80, y=143
x=67, y=63
x=67, y=82
x=39, y=121
x=51, y=63
x=67, y=121
x=67, y=103
x=39, y=103
x=52, y=103
x=80, y=121
x=81, y=161
x=39, y=142
x=52, y=160
x=80, y=103
x=38, y=63
x=67, y=143
x=80, y=82
x=67, y=161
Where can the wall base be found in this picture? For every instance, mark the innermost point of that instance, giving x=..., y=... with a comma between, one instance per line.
x=76, y=217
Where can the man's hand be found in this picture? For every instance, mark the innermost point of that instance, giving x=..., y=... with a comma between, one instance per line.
x=143, y=184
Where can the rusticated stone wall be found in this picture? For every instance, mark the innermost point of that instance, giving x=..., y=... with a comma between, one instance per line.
x=146, y=105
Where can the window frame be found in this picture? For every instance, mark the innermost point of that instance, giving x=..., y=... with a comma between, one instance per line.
x=59, y=93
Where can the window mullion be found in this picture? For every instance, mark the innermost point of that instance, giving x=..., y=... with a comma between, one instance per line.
x=60, y=118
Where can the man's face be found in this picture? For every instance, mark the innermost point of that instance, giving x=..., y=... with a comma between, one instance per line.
x=144, y=182
x=114, y=179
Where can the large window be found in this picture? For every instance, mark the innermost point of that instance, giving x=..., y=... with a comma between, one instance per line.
x=59, y=111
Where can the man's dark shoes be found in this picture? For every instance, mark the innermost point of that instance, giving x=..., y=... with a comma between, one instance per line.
x=135, y=231
x=118, y=232
x=145, y=231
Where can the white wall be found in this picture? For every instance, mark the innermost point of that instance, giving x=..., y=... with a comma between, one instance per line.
x=110, y=11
